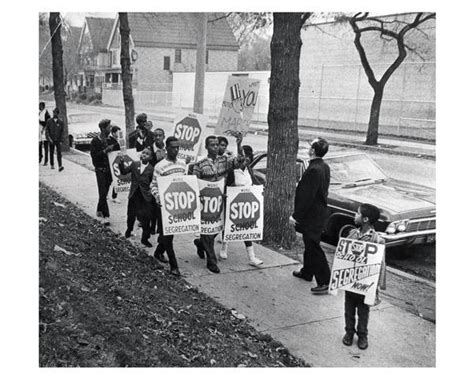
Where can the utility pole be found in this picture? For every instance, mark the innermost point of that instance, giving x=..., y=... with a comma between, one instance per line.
x=200, y=65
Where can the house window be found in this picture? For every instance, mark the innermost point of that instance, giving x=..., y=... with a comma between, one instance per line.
x=166, y=63
x=207, y=56
x=177, y=56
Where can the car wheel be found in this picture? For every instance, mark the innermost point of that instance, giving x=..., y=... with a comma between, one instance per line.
x=337, y=228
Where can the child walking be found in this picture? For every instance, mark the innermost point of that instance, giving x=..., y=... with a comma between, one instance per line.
x=242, y=177
x=139, y=198
x=365, y=218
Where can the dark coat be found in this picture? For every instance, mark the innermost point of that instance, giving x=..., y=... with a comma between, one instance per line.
x=100, y=158
x=147, y=141
x=112, y=141
x=54, y=129
x=311, y=196
x=139, y=181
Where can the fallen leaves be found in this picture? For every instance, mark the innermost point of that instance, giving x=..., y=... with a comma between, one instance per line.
x=60, y=249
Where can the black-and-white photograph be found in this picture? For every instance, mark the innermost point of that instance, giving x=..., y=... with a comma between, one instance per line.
x=237, y=189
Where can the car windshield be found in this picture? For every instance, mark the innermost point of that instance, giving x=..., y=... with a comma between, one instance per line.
x=356, y=168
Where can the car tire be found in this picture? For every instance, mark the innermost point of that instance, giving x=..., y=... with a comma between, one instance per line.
x=345, y=230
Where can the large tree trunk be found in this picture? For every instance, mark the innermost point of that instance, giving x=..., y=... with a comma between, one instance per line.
x=127, y=89
x=373, y=130
x=283, y=128
x=200, y=65
x=58, y=74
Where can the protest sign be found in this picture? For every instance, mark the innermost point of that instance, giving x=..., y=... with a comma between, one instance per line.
x=244, y=214
x=121, y=141
x=179, y=204
x=356, y=268
x=121, y=182
x=240, y=97
x=212, y=204
x=189, y=130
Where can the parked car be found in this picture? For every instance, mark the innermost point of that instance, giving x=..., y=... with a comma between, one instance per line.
x=82, y=128
x=407, y=210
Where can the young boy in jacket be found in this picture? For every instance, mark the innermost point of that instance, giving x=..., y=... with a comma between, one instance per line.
x=365, y=218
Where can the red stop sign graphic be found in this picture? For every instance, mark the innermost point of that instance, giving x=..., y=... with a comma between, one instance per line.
x=245, y=209
x=127, y=161
x=211, y=204
x=180, y=199
x=188, y=132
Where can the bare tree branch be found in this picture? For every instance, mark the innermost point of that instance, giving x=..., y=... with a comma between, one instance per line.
x=219, y=18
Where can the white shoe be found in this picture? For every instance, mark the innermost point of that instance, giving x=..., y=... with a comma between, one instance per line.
x=254, y=261
x=223, y=252
x=116, y=201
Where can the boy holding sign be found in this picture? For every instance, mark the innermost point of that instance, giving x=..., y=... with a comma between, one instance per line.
x=171, y=165
x=365, y=218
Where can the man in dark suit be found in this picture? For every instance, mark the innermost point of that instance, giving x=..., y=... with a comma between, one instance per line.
x=54, y=135
x=139, y=198
x=99, y=150
x=310, y=215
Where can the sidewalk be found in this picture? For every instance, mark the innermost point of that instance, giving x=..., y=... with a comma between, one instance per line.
x=272, y=300
x=387, y=145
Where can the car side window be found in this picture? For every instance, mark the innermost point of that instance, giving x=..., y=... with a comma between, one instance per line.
x=261, y=165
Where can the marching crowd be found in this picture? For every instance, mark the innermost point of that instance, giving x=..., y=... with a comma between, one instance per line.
x=159, y=157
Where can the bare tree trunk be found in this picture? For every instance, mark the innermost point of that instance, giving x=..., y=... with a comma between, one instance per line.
x=127, y=89
x=200, y=66
x=58, y=74
x=283, y=128
x=373, y=129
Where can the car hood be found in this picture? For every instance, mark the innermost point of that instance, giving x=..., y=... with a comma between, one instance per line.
x=83, y=127
x=396, y=197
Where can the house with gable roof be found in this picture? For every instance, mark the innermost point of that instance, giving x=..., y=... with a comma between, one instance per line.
x=165, y=43
x=92, y=53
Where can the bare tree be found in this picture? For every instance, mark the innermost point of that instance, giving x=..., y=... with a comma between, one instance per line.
x=58, y=72
x=127, y=89
x=396, y=33
x=283, y=127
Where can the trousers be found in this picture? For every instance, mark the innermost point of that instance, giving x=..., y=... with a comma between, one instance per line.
x=140, y=209
x=44, y=145
x=165, y=243
x=355, y=302
x=104, y=180
x=52, y=146
x=315, y=262
x=207, y=243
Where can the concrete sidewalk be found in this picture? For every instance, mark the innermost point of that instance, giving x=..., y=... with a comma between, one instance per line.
x=272, y=300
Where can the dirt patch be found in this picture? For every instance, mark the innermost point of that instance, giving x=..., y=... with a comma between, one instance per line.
x=104, y=303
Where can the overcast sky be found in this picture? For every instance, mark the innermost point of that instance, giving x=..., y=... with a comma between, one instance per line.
x=77, y=18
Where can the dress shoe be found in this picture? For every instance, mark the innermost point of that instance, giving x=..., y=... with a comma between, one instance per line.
x=363, y=342
x=320, y=290
x=45, y=163
x=300, y=275
x=146, y=243
x=200, y=250
x=214, y=269
x=161, y=258
x=106, y=221
x=61, y=168
x=175, y=272
x=116, y=201
x=128, y=233
x=348, y=339
x=52, y=167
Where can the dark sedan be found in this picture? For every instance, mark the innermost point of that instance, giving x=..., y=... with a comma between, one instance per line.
x=407, y=210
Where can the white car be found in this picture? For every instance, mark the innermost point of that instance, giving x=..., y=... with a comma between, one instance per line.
x=82, y=128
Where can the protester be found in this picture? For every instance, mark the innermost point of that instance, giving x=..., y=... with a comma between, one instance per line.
x=159, y=149
x=99, y=150
x=310, y=216
x=144, y=138
x=213, y=168
x=113, y=139
x=367, y=215
x=243, y=178
x=43, y=142
x=54, y=134
x=141, y=120
x=171, y=165
x=139, y=198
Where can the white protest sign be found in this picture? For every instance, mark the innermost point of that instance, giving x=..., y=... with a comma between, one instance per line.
x=240, y=97
x=121, y=182
x=244, y=214
x=212, y=205
x=179, y=196
x=356, y=268
x=121, y=140
x=189, y=130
